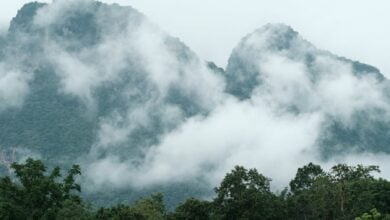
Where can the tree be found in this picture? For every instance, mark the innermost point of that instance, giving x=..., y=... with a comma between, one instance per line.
x=72, y=210
x=346, y=178
x=147, y=208
x=245, y=194
x=305, y=177
x=342, y=193
x=151, y=208
x=192, y=209
x=34, y=193
x=310, y=189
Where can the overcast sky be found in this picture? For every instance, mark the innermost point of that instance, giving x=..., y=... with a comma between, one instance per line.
x=357, y=29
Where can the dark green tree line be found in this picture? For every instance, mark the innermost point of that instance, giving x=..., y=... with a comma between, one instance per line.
x=344, y=192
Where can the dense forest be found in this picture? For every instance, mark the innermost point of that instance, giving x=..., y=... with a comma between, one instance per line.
x=343, y=192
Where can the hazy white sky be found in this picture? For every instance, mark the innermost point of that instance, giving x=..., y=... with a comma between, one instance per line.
x=357, y=29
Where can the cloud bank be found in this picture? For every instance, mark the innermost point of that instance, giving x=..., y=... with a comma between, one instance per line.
x=286, y=117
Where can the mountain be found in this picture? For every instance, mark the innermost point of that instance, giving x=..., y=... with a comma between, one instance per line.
x=100, y=85
x=84, y=69
x=244, y=66
x=276, y=63
x=94, y=81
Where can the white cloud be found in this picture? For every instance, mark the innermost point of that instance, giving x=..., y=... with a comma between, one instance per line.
x=242, y=133
x=262, y=132
x=77, y=78
x=13, y=87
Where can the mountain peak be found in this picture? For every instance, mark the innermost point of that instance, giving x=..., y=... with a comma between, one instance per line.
x=25, y=17
x=273, y=36
x=277, y=29
x=249, y=60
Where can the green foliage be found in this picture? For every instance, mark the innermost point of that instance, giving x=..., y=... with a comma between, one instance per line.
x=305, y=177
x=36, y=194
x=372, y=215
x=245, y=194
x=147, y=208
x=192, y=209
x=72, y=210
x=342, y=193
x=151, y=208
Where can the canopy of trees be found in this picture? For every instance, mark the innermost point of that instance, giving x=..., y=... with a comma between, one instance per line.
x=344, y=192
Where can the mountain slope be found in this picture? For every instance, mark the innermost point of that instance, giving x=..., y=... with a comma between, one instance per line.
x=277, y=64
x=94, y=81
x=244, y=66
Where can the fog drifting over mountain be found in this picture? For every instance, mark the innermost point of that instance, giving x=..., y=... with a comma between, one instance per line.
x=142, y=109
